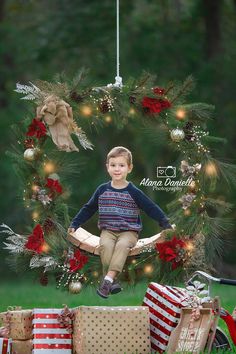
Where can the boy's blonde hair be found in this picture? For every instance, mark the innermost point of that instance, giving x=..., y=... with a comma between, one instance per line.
x=120, y=151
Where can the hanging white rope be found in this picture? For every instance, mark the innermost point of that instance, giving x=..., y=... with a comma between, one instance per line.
x=118, y=78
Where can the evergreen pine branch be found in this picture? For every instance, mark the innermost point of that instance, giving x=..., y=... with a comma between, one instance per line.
x=220, y=206
x=199, y=112
x=184, y=89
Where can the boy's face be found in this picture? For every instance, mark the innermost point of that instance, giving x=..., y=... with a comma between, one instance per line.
x=118, y=168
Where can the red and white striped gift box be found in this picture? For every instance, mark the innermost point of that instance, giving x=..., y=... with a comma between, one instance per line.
x=165, y=303
x=49, y=336
x=5, y=345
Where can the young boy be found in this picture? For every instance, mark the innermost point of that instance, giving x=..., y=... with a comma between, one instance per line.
x=118, y=203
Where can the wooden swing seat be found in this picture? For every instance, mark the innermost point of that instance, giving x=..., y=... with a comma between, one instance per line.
x=90, y=243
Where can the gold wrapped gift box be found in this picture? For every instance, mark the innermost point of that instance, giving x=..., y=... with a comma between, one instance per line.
x=19, y=323
x=22, y=346
x=121, y=329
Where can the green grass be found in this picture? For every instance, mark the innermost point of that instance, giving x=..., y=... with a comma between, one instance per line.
x=29, y=295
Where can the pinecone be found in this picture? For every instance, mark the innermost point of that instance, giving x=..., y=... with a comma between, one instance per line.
x=43, y=279
x=48, y=226
x=104, y=106
x=189, y=135
x=76, y=97
x=29, y=143
x=188, y=126
x=132, y=99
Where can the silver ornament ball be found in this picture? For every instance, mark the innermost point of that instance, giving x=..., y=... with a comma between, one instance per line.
x=177, y=135
x=30, y=154
x=75, y=287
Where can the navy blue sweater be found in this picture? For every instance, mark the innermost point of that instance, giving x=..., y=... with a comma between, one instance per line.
x=119, y=209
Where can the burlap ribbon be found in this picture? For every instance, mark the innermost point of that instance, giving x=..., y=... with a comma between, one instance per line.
x=5, y=331
x=66, y=318
x=195, y=315
x=58, y=115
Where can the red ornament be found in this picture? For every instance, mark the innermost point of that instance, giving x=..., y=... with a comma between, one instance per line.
x=159, y=91
x=37, y=129
x=155, y=105
x=35, y=241
x=54, y=185
x=78, y=261
x=169, y=251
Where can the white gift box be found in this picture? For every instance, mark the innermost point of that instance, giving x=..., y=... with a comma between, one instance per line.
x=5, y=345
x=49, y=336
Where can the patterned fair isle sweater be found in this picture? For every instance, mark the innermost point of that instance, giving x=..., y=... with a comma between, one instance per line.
x=119, y=209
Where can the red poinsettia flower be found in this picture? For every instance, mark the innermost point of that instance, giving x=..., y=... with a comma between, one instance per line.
x=37, y=129
x=35, y=241
x=169, y=251
x=159, y=91
x=155, y=105
x=78, y=261
x=54, y=185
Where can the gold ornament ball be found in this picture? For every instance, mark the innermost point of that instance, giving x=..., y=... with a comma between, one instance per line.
x=75, y=287
x=30, y=154
x=177, y=135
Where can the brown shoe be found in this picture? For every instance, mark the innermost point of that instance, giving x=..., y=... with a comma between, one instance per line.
x=104, y=289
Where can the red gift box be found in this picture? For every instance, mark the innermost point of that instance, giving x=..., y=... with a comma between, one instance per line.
x=165, y=303
x=49, y=334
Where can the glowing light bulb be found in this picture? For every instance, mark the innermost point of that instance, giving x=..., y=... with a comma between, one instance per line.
x=148, y=269
x=108, y=119
x=132, y=111
x=35, y=215
x=210, y=169
x=180, y=114
x=189, y=246
x=49, y=167
x=86, y=111
x=45, y=247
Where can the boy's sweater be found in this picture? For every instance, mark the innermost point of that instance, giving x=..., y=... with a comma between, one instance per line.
x=119, y=209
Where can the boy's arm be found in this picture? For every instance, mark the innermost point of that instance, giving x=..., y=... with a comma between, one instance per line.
x=86, y=212
x=150, y=208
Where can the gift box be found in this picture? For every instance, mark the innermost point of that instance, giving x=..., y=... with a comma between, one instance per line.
x=111, y=330
x=164, y=303
x=22, y=346
x=5, y=345
x=50, y=335
x=18, y=322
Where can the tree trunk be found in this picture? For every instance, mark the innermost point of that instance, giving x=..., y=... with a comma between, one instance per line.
x=212, y=18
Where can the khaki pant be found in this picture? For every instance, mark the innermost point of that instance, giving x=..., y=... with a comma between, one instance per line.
x=114, y=248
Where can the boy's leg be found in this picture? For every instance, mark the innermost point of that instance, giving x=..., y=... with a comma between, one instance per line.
x=126, y=240
x=106, y=248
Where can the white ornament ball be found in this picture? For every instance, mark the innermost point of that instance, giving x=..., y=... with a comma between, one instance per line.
x=30, y=154
x=177, y=135
x=75, y=287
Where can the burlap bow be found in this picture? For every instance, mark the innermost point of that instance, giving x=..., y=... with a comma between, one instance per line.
x=58, y=115
x=65, y=319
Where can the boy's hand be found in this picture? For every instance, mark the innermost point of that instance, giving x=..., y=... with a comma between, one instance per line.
x=71, y=230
